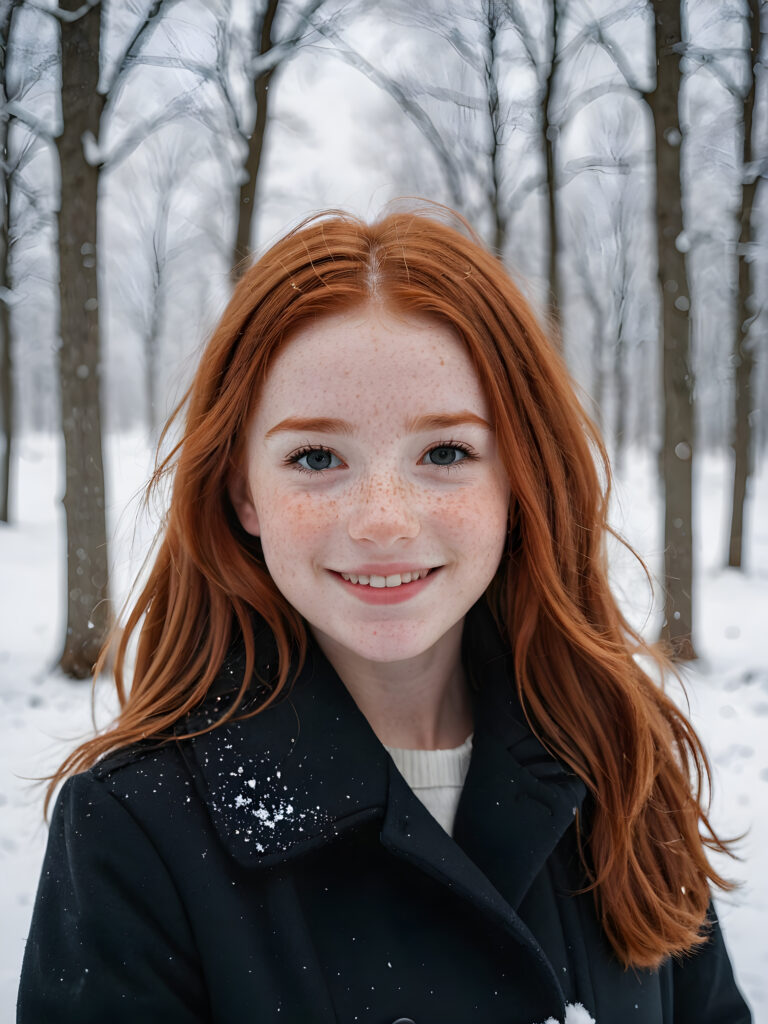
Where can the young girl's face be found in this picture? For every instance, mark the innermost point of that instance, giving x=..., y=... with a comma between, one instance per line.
x=370, y=458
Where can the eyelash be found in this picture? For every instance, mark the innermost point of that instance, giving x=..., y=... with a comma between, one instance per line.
x=293, y=459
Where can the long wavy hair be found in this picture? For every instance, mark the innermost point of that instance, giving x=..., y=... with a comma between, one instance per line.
x=579, y=681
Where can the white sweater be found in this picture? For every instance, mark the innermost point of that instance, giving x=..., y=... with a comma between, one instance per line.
x=436, y=777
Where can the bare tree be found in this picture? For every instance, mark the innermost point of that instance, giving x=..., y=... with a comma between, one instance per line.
x=496, y=16
x=156, y=301
x=677, y=448
x=743, y=355
x=79, y=356
x=622, y=235
x=6, y=360
x=152, y=302
x=602, y=229
x=268, y=50
x=164, y=234
x=261, y=76
x=549, y=130
x=608, y=244
x=592, y=275
x=82, y=105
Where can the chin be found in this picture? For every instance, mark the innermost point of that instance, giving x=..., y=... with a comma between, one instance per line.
x=383, y=655
x=384, y=642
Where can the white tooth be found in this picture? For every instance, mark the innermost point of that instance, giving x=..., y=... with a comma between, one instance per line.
x=344, y=576
x=393, y=581
x=378, y=581
x=406, y=577
x=353, y=577
x=423, y=573
x=363, y=579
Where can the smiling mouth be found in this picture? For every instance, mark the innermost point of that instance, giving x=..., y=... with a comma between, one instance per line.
x=389, y=582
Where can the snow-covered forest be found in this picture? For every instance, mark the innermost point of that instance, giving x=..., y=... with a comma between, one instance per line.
x=150, y=147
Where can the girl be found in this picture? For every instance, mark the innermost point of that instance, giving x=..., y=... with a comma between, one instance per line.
x=387, y=755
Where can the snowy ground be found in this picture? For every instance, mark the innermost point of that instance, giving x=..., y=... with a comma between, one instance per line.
x=42, y=714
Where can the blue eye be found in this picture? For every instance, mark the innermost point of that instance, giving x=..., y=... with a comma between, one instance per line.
x=449, y=454
x=317, y=459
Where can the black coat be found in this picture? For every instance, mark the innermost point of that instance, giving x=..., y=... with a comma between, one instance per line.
x=279, y=869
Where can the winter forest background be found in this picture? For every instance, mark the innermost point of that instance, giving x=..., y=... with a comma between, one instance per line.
x=615, y=156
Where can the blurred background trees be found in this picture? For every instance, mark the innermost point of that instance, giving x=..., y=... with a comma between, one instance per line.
x=613, y=155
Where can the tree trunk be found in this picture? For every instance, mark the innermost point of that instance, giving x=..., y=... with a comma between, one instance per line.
x=247, y=198
x=677, y=375
x=620, y=393
x=152, y=363
x=499, y=221
x=549, y=139
x=598, y=343
x=6, y=341
x=88, y=612
x=743, y=358
x=6, y=356
x=154, y=333
x=620, y=351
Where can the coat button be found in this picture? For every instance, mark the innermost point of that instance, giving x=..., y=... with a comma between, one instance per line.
x=403, y=1020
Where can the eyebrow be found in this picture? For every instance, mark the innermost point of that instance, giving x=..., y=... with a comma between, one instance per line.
x=415, y=425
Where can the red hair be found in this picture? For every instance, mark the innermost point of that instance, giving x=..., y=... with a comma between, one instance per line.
x=579, y=682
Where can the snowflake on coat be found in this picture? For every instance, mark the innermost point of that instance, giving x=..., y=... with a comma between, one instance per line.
x=258, y=807
x=574, y=1014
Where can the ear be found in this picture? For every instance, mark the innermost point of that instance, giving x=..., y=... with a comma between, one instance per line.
x=242, y=501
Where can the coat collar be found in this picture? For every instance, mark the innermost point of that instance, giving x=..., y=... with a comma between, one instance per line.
x=293, y=776
x=308, y=768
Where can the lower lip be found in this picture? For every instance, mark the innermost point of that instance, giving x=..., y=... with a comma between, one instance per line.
x=386, y=595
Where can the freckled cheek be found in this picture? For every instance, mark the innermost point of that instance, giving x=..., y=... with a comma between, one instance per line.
x=297, y=529
x=475, y=523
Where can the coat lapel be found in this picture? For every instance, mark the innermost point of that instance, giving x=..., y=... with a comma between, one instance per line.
x=410, y=832
x=518, y=800
x=508, y=821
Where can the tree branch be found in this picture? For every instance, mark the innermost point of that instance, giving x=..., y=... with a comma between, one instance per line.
x=529, y=185
x=66, y=16
x=594, y=31
x=413, y=111
x=181, y=105
x=139, y=31
x=707, y=60
x=176, y=63
x=33, y=196
x=518, y=22
x=306, y=16
x=595, y=163
x=590, y=95
x=619, y=59
x=15, y=110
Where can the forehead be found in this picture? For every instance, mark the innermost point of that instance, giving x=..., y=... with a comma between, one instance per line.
x=371, y=356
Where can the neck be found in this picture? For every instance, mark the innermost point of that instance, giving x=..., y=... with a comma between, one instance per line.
x=420, y=703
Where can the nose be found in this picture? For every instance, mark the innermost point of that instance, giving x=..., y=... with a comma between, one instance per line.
x=383, y=511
